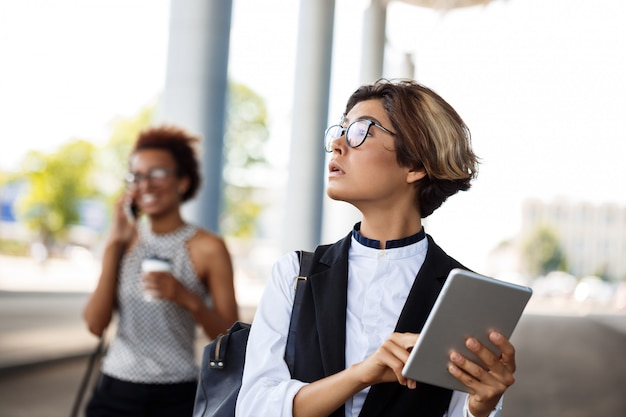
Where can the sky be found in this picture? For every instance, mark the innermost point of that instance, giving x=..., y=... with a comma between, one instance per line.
x=540, y=83
x=70, y=67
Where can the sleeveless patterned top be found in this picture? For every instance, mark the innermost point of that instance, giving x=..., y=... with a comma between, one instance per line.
x=155, y=339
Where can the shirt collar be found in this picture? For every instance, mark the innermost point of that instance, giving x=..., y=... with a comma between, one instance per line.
x=390, y=244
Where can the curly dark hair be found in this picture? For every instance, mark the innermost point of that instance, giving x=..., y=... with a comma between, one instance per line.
x=430, y=136
x=183, y=148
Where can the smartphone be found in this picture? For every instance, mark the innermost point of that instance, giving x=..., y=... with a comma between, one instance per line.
x=131, y=209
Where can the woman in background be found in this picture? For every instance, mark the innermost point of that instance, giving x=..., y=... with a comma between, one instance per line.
x=150, y=367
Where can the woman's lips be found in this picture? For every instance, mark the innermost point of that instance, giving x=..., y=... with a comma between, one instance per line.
x=334, y=169
x=147, y=198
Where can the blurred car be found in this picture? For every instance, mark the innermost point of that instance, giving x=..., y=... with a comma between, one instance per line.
x=594, y=289
x=555, y=284
x=620, y=296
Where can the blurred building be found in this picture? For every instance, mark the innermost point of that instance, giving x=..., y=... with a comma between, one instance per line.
x=593, y=237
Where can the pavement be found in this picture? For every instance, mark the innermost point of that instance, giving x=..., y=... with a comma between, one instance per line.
x=39, y=327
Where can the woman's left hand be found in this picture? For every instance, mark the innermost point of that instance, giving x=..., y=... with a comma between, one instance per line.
x=486, y=386
x=162, y=285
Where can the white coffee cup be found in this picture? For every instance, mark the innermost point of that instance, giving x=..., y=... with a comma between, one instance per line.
x=153, y=265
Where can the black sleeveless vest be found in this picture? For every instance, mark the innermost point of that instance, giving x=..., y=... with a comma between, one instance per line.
x=321, y=330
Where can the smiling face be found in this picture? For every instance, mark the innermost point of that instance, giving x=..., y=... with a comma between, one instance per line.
x=369, y=175
x=157, y=189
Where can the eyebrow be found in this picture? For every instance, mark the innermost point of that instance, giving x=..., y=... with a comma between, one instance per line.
x=363, y=117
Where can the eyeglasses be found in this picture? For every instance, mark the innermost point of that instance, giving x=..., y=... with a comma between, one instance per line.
x=356, y=133
x=154, y=176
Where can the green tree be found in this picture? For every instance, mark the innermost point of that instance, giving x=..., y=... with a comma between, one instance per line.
x=244, y=161
x=543, y=251
x=56, y=183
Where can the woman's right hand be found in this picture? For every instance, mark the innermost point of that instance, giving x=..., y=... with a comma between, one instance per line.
x=123, y=228
x=99, y=308
x=321, y=397
x=385, y=365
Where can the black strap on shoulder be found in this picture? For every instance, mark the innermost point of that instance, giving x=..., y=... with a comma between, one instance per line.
x=306, y=259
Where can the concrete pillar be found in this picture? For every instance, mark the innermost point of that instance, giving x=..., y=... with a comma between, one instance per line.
x=195, y=92
x=373, y=46
x=305, y=189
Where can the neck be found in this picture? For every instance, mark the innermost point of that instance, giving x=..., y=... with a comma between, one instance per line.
x=166, y=223
x=389, y=219
x=390, y=228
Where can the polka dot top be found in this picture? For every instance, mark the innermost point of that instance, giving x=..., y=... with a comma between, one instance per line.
x=155, y=338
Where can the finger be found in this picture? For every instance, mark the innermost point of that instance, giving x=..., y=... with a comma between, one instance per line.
x=463, y=377
x=479, y=381
x=490, y=360
x=405, y=341
x=394, y=353
x=496, y=373
x=507, y=356
x=394, y=357
x=118, y=208
x=150, y=280
x=132, y=194
x=471, y=371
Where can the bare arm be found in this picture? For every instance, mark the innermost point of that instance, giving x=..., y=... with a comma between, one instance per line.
x=212, y=263
x=322, y=397
x=216, y=270
x=98, y=311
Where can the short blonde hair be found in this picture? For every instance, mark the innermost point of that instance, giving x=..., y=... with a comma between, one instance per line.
x=430, y=136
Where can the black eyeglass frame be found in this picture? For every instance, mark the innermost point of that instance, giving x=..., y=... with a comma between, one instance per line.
x=133, y=179
x=344, y=132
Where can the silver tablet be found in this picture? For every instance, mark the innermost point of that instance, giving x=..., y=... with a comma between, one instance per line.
x=468, y=305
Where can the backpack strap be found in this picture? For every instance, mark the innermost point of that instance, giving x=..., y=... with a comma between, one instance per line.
x=306, y=259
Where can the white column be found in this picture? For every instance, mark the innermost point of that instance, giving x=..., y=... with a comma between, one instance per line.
x=373, y=41
x=195, y=92
x=305, y=189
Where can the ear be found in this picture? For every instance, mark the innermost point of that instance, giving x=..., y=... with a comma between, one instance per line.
x=183, y=185
x=413, y=176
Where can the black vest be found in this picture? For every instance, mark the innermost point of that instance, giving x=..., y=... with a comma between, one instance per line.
x=321, y=330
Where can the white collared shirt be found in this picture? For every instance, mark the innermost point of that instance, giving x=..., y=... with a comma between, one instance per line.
x=379, y=281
